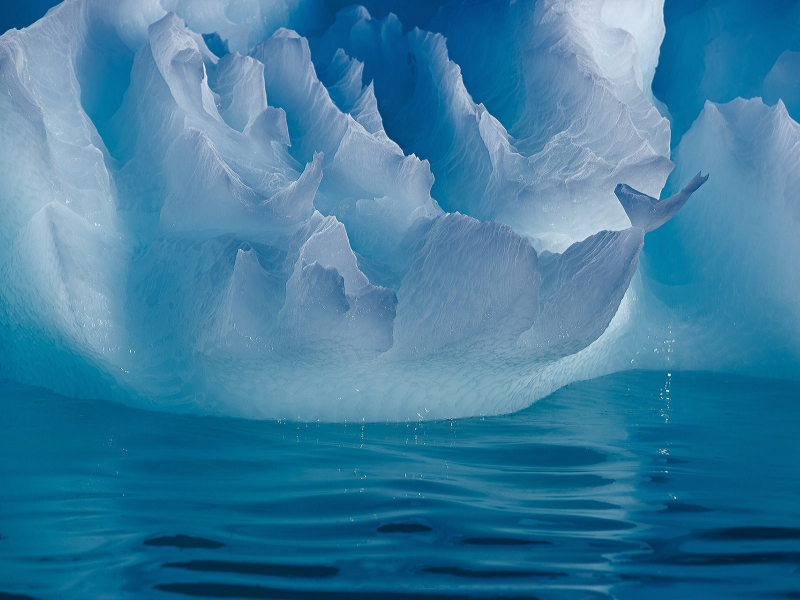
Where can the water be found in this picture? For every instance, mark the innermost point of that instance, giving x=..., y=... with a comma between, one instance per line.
x=637, y=485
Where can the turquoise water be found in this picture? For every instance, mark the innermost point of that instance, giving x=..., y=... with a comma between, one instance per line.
x=637, y=485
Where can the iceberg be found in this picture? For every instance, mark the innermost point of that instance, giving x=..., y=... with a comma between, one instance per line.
x=709, y=41
x=307, y=209
x=725, y=270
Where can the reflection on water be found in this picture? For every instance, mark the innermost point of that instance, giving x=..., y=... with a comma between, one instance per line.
x=637, y=485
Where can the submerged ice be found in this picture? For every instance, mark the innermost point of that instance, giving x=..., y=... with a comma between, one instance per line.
x=390, y=211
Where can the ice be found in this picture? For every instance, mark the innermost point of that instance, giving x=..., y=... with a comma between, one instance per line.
x=251, y=302
x=647, y=212
x=644, y=21
x=369, y=184
x=469, y=283
x=781, y=82
x=239, y=82
x=726, y=266
x=401, y=210
x=597, y=270
x=719, y=50
x=213, y=196
x=548, y=177
x=330, y=303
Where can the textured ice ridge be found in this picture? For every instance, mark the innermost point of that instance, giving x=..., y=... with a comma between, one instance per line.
x=354, y=214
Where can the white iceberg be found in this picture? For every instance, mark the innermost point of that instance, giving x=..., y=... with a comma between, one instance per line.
x=351, y=217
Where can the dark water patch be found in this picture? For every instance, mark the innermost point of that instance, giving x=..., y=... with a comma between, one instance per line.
x=225, y=590
x=661, y=580
x=747, y=534
x=59, y=559
x=577, y=505
x=553, y=456
x=683, y=508
x=731, y=559
x=442, y=489
x=404, y=528
x=569, y=522
x=540, y=480
x=183, y=541
x=502, y=541
x=265, y=569
x=7, y=596
x=659, y=479
x=485, y=574
x=614, y=546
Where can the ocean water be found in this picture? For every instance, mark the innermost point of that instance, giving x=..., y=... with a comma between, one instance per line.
x=637, y=485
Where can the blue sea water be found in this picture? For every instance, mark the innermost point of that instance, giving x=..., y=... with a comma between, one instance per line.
x=637, y=485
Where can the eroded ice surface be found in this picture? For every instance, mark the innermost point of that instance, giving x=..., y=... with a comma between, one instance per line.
x=307, y=209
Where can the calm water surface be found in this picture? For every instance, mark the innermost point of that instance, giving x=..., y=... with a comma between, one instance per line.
x=638, y=485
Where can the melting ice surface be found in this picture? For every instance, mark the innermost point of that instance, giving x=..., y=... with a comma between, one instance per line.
x=310, y=210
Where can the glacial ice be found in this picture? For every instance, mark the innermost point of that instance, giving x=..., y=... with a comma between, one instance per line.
x=574, y=136
x=400, y=210
x=647, y=212
x=726, y=270
x=718, y=50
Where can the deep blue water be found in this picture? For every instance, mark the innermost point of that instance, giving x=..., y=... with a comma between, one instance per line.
x=637, y=485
